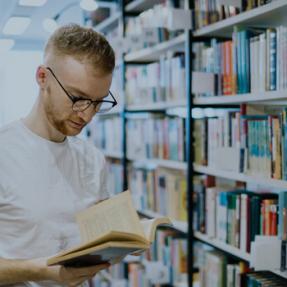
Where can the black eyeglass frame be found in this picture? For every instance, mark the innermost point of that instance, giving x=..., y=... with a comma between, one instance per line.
x=74, y=99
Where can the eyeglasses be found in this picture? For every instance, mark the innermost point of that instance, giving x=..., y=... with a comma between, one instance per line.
x=80, y=104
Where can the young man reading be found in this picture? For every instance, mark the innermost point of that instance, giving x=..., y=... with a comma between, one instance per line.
x=47, y=175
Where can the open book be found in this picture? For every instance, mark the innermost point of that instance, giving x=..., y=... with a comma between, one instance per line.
x=109, y=230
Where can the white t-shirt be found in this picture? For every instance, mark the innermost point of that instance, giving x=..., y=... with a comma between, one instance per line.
x=42, y=185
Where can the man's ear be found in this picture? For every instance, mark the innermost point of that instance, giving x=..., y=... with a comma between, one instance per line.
x=41, y=76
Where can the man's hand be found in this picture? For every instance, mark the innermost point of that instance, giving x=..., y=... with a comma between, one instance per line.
x=69, y=276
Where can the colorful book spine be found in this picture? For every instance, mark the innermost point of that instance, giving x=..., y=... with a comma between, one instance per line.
x=156, y=137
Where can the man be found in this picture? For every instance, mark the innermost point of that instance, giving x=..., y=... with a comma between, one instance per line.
x=46, y=175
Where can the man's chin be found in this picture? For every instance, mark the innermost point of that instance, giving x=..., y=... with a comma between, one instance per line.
x=68, y=130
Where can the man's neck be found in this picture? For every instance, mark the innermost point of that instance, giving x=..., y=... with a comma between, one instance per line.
x=39, y=124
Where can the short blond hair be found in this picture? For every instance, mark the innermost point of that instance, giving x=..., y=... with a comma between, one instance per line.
x=83, y=44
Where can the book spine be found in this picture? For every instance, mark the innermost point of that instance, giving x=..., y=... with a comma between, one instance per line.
x=272, y=51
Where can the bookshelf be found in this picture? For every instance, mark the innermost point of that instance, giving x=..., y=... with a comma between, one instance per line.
x=269, y=15
x=167, y=108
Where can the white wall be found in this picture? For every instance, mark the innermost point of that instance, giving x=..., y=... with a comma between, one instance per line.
x=18, y=87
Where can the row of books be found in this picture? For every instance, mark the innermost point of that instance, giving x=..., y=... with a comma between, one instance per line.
x=235, y=215
x=115, y=173
x=254, y=143
x=156, y=82
x=106, y=133
x=160, y=190
x=166, y=16
x=217, y=270
x=165, y=264
x=171, y=250
x=156, y=136
x=137, y=276
x=253, y=61
x=139, y=37
x=115, y=276
x=211, y=11
x=264, y=278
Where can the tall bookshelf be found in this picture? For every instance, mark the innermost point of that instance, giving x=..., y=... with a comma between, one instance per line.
x=139, y=58
x=269, y=15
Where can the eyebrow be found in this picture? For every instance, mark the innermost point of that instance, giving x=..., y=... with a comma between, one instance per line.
x=78, y=92
x=83, y=94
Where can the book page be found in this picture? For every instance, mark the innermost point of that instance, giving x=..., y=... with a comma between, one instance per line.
x=114, y=214
x=109, y=237
x=150, y=225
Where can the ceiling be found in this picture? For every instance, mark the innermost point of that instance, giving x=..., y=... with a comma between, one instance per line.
x=35, y=35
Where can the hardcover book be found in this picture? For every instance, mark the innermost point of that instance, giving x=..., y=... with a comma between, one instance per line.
x=110, y=229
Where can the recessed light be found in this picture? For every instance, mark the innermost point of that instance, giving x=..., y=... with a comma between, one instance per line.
x=35, y=3
x=16, y=25
x=6, y=44
x=89, y=5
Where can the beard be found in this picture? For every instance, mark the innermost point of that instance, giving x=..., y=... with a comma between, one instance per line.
x=60, y=121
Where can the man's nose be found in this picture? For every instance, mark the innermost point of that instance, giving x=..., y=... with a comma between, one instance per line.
x=87, y=114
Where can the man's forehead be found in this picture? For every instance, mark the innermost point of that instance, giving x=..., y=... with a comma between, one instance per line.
x=78, y=68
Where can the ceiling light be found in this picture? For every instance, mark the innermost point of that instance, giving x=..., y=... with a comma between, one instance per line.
x=50, y=25
x=16, y=25
x=89, y=5
x=35, y=3
x=6, y=45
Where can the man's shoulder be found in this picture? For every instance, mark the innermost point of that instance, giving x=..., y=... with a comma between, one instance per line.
x=8, y=129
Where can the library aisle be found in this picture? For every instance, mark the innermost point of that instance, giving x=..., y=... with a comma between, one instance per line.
x=201, y=139
x=199, y=134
